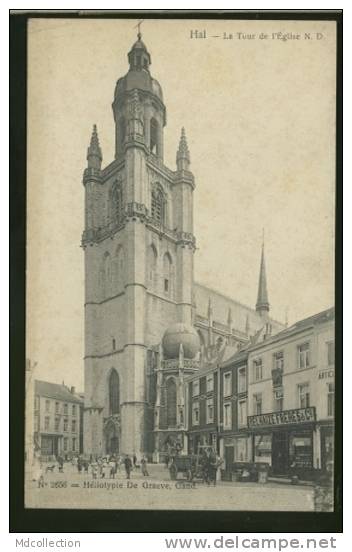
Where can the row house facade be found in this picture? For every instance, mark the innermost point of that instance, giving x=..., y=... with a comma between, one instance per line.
x=58, y=416
x=273, y=401
x=203, y=407
x=291, y=391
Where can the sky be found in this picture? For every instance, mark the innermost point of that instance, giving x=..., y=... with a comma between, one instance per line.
x=259, y=116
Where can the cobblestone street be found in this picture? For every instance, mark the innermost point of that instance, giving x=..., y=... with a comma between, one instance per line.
x=73, y=490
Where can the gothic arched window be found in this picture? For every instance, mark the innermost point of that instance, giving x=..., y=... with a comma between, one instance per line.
x=106, y=275
x=171, y=399
x=154, y=131
x=122, y=130
x=152, y=259
x=116, y=202
x=114, y=393
x=168, y=274
x=119, y=267
x=158, y=205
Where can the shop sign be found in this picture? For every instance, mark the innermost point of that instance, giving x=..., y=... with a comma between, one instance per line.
x=285, y=417
x=325, y=374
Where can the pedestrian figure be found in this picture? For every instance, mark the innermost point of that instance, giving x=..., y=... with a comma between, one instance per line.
x=212, y=468
x=40, y=475
x=94, y=470
x=128, y=466
x=112, y=465
x=134, y=460
x=144, y=466
x=60, y=461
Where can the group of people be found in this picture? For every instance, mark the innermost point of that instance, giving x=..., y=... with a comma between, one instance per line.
x=210, y=464
x=108, y=466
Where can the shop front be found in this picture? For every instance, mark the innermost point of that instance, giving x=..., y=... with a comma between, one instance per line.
x=49, y=446
x=284, y=440
x=198, y=439
x=234, y=448
x=327, y=441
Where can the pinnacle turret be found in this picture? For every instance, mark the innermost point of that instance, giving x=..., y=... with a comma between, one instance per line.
x=229, y=318
x=94, y=155
x=183, y=158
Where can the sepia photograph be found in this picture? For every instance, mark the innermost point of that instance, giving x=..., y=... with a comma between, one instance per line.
x=180, y=264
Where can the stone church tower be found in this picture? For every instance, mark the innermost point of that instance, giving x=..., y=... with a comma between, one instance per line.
x=138, y=245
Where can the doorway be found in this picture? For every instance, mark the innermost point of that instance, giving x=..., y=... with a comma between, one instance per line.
x=229, y=457
x=112, y=442
x=280, y=453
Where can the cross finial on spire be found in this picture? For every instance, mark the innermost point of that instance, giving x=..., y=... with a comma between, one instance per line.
x=139, y=34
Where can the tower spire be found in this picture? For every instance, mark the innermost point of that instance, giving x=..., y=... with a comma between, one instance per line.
x=94, y=155
x=183, y=158
x=262, y=305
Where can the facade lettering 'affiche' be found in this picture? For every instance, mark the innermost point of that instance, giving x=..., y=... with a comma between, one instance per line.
x=180, y=293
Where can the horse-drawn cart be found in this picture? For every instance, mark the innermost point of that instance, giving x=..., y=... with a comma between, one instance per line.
x=193, y=466
x=186, y=466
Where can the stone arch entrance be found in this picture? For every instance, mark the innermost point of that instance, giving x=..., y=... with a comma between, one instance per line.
x=112, y=435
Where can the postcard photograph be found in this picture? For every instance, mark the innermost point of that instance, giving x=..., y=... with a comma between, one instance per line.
x=180, y=264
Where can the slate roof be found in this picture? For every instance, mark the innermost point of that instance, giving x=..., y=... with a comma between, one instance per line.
x=55, y=391
x=327, y=315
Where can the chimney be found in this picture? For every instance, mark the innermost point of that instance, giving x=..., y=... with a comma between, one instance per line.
x=73, y=390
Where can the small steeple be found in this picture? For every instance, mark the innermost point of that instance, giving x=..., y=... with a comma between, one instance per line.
x=262, y=305
x=286, y=317
x=94, y=155
x=182, y=158
x=247, y=330
x=210, y=308
x=229, y=318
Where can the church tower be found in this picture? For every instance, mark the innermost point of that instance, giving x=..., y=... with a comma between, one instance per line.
x=138, y=245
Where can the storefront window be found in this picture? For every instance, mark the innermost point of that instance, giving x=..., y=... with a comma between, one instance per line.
x=301, y=451
x=241, y=449
x=262, y=448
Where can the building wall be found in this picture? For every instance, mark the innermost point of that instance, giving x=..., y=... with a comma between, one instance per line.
x=293, y=375
x=318, y=375
x=68, y=438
